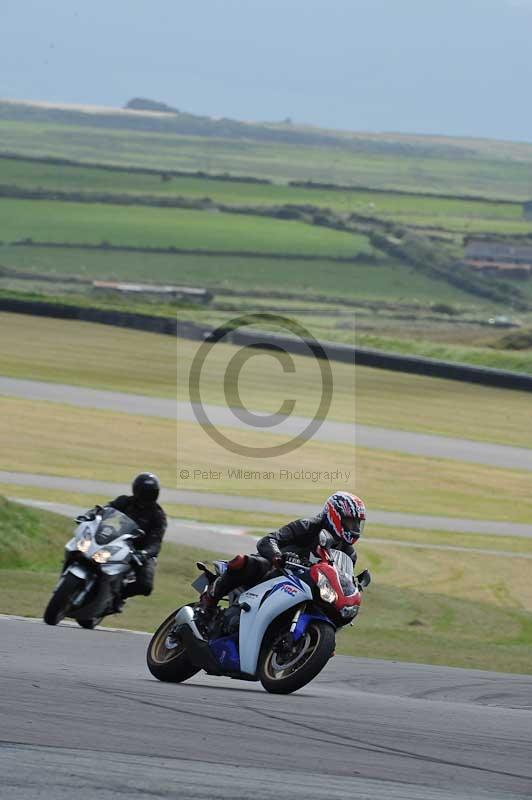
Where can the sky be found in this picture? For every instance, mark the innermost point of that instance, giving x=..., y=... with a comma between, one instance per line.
x=454, y=67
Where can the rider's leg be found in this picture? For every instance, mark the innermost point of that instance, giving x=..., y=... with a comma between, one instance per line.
x=241, y=571
x=143, y=583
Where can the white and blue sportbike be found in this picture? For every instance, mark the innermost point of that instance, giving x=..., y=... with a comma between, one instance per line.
x=281, y=632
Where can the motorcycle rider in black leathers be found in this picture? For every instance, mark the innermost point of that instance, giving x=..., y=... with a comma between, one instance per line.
x=142, y=507
x=342, y=517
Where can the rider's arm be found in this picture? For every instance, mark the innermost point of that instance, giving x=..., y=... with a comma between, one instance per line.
x=289, y=535
x=154, y=537
x=119, y=502
x=350, y=551
x=90, y=514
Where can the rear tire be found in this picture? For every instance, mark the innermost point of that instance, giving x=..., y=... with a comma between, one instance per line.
x=167, y=659
x=89, y=624
x=283, y=673
x=61, y=600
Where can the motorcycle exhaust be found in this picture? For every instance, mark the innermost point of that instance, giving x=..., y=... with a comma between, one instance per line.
x=197, y=648
x=198, y=651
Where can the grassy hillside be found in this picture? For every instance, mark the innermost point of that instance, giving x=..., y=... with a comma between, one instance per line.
x=30, y=539
x=404, y=249
x=391, y=161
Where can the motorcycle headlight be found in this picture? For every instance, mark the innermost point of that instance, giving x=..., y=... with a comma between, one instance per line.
x=349, y=612
x=84, y=543
x=102, y=556
x=327, y=592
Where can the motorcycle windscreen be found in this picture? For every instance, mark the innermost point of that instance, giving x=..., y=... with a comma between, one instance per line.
x=113, y=525
x=344, y=568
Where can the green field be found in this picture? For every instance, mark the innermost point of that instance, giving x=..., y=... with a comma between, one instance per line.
x=454, y=215
x=514, y=360
x=49, y=221
x=228, y=237
x=371, y=280
x=467, y=225
x=493, y=169
x=398, y=622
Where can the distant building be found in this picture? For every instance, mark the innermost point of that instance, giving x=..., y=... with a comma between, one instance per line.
x=498, y=258
x=527, y=209
x=156, y=291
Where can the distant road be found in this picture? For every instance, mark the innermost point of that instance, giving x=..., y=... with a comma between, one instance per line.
x=418, y=444
x=230, y=539
x=264, y=506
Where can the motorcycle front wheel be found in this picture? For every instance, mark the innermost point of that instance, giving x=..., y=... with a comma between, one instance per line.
x=62, y=599
x=166, y=657
x=285, y=667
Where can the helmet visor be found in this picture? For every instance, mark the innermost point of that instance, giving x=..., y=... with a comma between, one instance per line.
x=353, y=528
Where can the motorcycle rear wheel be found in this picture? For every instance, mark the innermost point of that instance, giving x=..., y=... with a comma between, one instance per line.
x=286, y=672
x=167, y=659
x=61, y=601
x=89, y=624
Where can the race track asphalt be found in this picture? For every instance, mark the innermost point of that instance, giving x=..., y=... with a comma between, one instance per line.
x=80, y=716
x=418, y=444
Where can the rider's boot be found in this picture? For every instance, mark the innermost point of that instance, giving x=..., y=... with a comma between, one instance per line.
x=118, y=604
x=208, y=602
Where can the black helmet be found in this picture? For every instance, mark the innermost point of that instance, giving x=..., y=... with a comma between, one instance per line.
x=146, y=487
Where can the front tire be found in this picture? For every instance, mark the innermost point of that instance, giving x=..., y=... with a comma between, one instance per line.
x=283, y=670
x=61, y=600
x=167, y=658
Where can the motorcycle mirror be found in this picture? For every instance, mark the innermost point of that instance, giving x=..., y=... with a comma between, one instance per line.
x=325, y=539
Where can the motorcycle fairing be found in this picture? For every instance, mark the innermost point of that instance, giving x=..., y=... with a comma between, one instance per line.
x=118, y=539
x=304, y=620
x=225, y=651
x=265, y=602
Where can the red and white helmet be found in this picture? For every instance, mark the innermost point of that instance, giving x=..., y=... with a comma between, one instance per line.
x=344, y=515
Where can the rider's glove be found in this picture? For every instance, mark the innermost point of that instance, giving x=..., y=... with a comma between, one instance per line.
x=280, y=560
x=364, y=579
x=88, y=516
x=294, y=558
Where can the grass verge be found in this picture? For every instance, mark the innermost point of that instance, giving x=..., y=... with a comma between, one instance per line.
x=81, y=443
